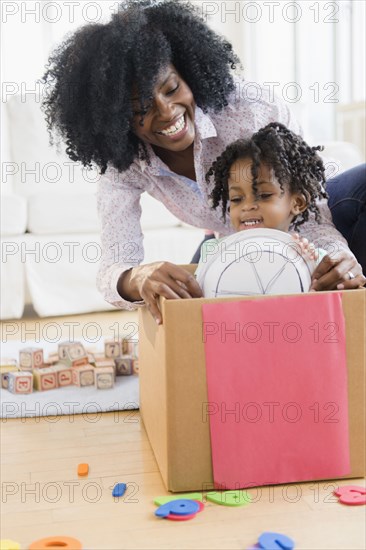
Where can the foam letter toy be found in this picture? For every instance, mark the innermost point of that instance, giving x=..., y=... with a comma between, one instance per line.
x=7, y=544
x=275, y=541
x=190, y=496
x=179, y=507
x=55, y=543
x=119, y=489
x=229, y=498
x=351, y=494
x=83, y=470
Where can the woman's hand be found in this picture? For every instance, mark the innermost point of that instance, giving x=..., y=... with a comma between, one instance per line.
x=339, y=271
x=162, y=279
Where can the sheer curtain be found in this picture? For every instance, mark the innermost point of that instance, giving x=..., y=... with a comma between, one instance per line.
x=312, y=54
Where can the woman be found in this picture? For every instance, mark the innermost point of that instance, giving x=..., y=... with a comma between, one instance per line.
x=150, y=98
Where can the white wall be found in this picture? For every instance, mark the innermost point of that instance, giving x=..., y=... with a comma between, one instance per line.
x=311, y=53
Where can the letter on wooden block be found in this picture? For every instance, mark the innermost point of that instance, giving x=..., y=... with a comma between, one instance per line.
x=64, y=374
x=20, y=382
x=72, y=354
x=83, y=376
x=44, y=379
x=113, y=348
x=30, y=358
x=124, y=365
x=104, y=378
x=130, y=347
x=6, y=366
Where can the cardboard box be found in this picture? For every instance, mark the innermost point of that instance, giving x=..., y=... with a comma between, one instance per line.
x=173, y=388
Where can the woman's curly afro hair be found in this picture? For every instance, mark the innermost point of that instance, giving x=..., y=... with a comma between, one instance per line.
x=89, y=77
x=295, y=165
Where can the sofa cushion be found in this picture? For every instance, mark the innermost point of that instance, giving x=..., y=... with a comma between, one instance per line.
x=12, y=278
x=37, y=166
x=13, y=215
x=51, y=213
x=61, y=271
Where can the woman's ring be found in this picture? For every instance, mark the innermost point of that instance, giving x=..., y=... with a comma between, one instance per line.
x=350, y=275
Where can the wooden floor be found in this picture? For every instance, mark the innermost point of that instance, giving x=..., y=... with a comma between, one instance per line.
x=42, y=495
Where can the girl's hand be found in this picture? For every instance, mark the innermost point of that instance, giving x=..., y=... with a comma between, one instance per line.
x=340, y=271
x=163, y=279
x=307, y=249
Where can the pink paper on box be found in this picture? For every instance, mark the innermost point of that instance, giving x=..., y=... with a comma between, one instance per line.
x=277, y=389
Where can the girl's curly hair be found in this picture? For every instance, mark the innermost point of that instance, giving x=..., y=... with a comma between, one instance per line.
x=295, y=165
x=89, y=77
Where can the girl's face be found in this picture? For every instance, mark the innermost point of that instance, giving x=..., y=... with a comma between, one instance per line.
x=169, y=119
x=270, y=207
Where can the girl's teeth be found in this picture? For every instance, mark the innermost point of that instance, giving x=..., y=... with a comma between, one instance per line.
x=251, y=223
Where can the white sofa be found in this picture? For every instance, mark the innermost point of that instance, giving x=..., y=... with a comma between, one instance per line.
x=49, y=227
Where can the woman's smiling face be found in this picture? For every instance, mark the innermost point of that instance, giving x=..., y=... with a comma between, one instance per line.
x=168, y=121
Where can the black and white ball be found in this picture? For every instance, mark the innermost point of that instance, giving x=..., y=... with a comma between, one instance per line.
x=253, y=262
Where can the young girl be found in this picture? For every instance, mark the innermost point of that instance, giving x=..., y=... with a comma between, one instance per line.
x=272, y=180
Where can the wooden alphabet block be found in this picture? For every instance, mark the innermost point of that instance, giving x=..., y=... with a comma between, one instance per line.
x=104, y=378
x=47, y=364
x=91, y=358
x=5, y=377
x=72, y=354
x=130, y=347
x=113, y=348
x=30, y=358
x=124, y=365
x=99, y=355
x=106, y=362
x=52, y=359
x=20, y=382
x=83, y=376
x=64, y=374
x=44, y=379
x=62, y=347
x=6, y=366
x=135, y=366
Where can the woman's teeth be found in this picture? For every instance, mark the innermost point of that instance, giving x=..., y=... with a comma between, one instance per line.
x=174, y=128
